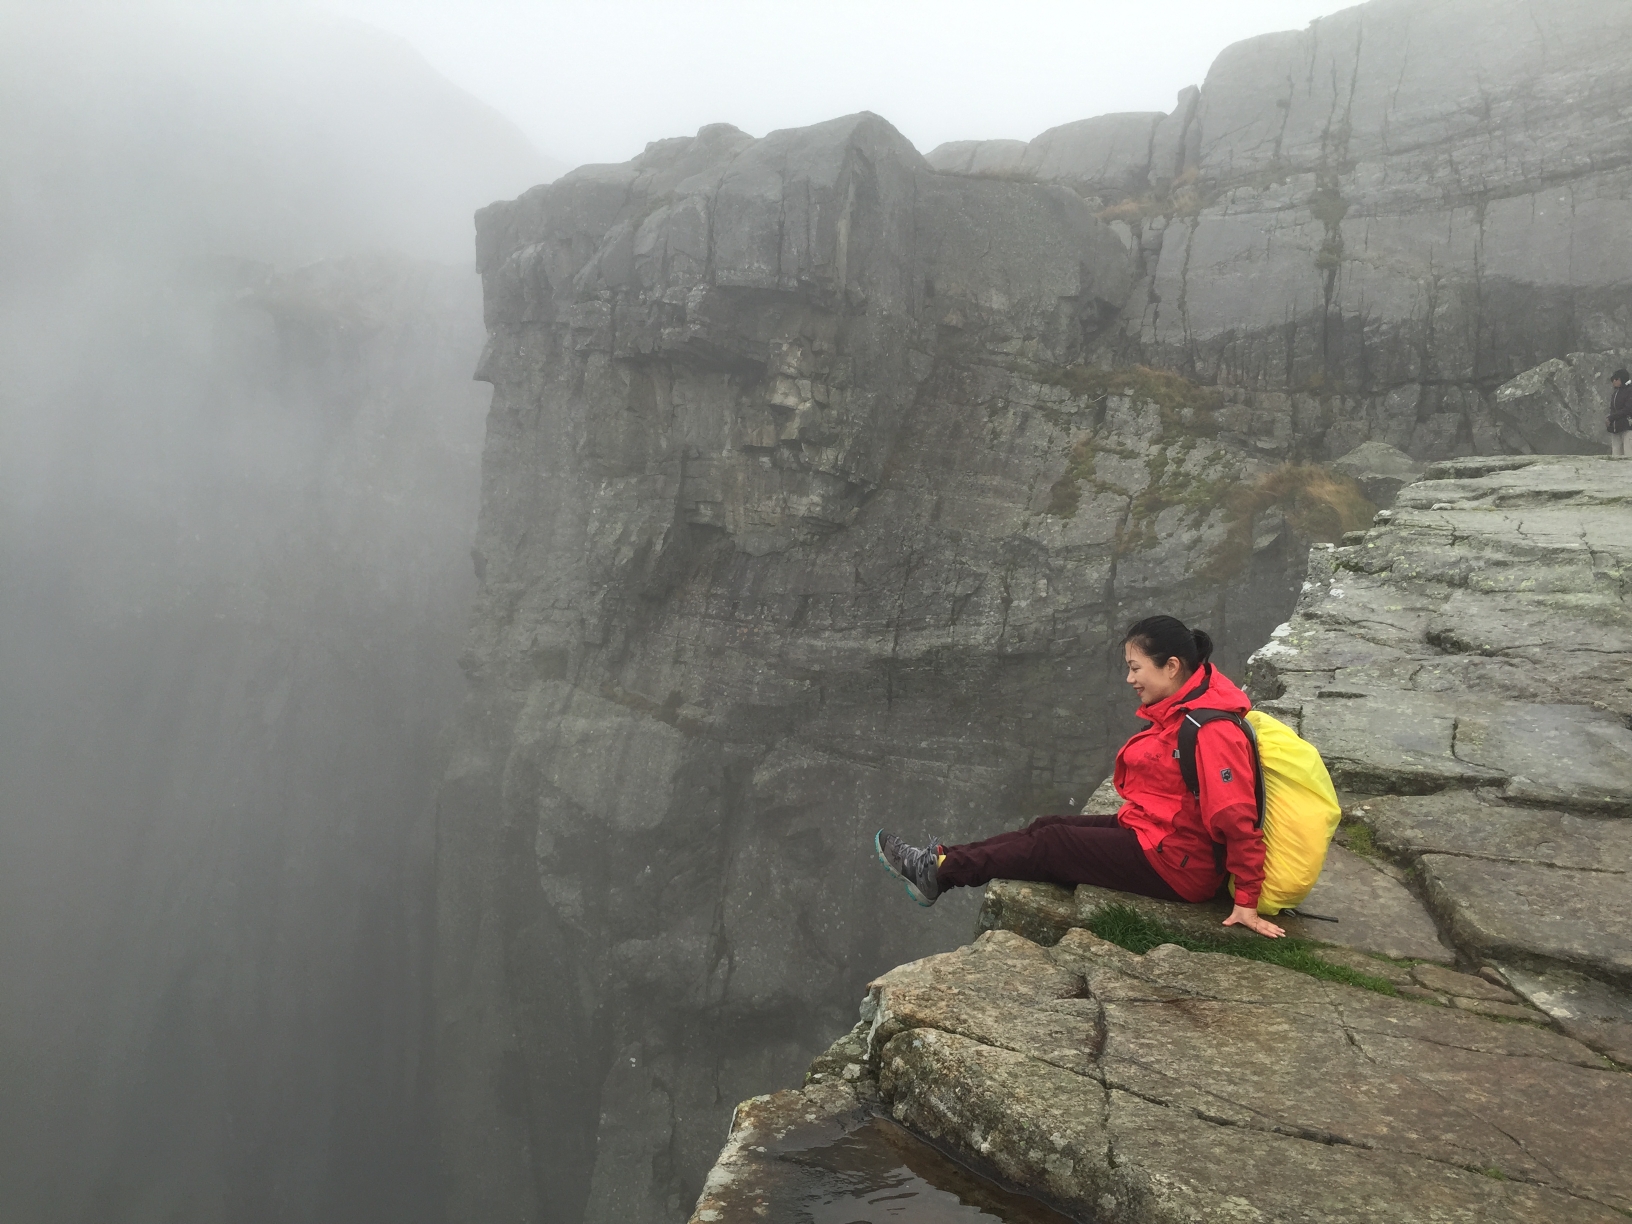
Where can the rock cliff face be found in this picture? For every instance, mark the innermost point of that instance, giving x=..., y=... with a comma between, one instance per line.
x=1370, y=224
x=822, y=477
x=1461, y=666
x=803, y=516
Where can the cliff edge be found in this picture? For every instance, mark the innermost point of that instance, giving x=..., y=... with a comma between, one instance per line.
x=1463, y=667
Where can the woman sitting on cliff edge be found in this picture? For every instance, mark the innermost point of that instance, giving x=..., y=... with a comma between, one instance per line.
x=1165, y=842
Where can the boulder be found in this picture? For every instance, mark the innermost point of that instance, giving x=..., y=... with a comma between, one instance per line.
x=981, y=158
x=1558, y=408
x=1106, y=154
x=1381, y=470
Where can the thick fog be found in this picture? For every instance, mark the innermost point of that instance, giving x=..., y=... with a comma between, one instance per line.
x=239, y=477
x=237, y=489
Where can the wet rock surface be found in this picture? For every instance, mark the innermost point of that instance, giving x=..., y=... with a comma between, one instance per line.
x=825, y=1156
x=1186, y=1085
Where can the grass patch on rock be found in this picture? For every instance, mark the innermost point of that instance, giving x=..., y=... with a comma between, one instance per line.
x=1318, y=504
x=1138, y=933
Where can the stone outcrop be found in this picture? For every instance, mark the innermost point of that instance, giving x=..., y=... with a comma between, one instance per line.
x=1108, y=157
x=1460, y=665
x=1469, y=661
x=1404, y=205
x=1193, y=1086
x=1559, y=407
x=1380, y=469
x=803, y=515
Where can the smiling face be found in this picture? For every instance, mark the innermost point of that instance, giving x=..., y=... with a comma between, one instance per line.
x=1152, y=683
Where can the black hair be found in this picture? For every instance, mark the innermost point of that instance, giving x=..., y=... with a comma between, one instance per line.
x=1622, y=375
x=1164, y=637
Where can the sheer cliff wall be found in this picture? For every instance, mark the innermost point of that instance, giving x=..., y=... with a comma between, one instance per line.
x=801, y=517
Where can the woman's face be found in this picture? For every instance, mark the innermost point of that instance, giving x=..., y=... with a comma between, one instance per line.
x=1150, y=682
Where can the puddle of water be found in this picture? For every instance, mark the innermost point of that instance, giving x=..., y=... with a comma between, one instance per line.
x=880, y=1173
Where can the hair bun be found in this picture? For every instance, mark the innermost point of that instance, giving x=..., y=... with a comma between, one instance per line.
x=1204, y=646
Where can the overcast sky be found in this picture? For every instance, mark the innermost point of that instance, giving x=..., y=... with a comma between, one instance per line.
x=594, y=80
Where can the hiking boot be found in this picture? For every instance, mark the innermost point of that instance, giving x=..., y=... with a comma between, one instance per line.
x=913, y=867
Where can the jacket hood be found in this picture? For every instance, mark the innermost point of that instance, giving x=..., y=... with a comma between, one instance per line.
x=1207, y=689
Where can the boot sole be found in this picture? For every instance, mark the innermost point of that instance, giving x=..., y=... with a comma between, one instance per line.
x=912, y=890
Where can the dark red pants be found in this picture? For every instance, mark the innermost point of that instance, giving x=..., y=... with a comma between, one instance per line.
x=1067, y=850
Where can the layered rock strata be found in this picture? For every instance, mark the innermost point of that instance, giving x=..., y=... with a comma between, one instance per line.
x=1370, y=224
x=1465, y=668
x=1468, y=660
x=803, y=515
x=821, y=476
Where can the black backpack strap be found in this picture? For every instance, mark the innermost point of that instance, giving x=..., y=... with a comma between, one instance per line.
x=1190, y=726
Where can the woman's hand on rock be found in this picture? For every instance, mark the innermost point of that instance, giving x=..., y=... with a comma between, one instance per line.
x=1248, y=917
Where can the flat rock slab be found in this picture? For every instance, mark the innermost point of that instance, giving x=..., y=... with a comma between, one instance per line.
x=1205, y=1079
x=1595, y=1013
x=1375, y=913
x=1507, y=911
x=1515, y=884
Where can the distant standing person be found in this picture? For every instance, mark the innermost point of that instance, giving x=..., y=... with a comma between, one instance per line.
x=1619, y=419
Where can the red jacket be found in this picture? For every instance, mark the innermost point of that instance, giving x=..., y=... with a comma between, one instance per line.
x=1192, y=845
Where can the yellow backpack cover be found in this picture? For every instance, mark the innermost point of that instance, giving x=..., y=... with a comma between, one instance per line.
x=1297, y=804
x=1300, y=812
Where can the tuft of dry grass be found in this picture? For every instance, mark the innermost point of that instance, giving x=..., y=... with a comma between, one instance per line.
x=1319, y=505
x=1183, y=197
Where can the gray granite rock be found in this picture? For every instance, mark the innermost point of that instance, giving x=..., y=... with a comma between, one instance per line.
x=1595, y=1013
x=1397, y=205
x=1107, y=155
x=1359, y=907
x=1110, y=153
x=1200, y=1079
x=1469, y=656
x=1382, y=470
x=1559, y=406
x=804, y=514
x=811, y=503
x=981, y=158
x=1460, y=985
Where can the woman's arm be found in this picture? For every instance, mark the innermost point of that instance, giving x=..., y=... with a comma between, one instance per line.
x=1229, y=810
